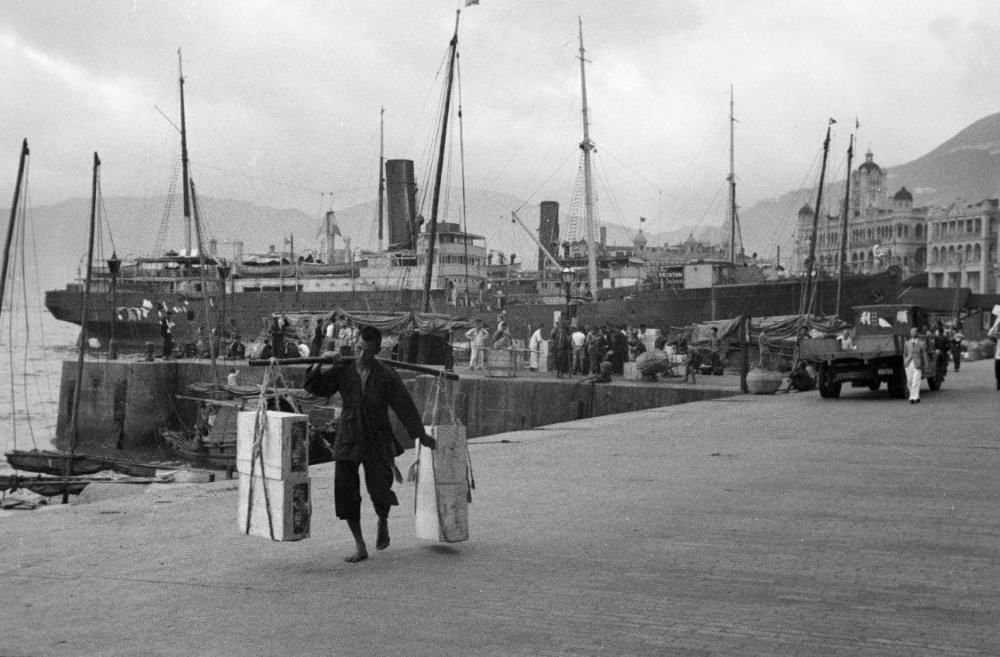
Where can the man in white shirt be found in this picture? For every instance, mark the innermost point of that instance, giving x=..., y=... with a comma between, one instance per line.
x=579, y=339
x=477, y=336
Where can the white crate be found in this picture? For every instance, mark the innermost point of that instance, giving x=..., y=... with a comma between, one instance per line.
x=289, y=501
x=442, y=488
x=284, y=446
x=632, y=372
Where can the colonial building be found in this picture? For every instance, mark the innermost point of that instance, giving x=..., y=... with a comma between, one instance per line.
x=962, y=244
x=880, y=232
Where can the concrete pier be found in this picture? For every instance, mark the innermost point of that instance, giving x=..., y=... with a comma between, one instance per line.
x=125, y=404
x=744, y=526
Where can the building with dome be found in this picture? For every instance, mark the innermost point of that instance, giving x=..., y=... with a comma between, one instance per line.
x=956, y=246
x=881, y=232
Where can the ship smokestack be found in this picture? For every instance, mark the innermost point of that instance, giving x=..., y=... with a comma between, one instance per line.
x=401, y=201
x=548, y=229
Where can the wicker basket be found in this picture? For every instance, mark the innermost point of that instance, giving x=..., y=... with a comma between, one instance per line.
x=763, y=382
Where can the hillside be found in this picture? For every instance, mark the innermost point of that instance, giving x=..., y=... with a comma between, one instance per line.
x=965, y=167
x=136, y=226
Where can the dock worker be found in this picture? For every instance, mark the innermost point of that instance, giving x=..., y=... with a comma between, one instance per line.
x=368, y=389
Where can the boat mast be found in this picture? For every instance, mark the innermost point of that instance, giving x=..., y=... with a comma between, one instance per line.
x=587, y=146
x=807, y=292
x=206, y=297
x=732, y=182
x=75, y=414
x=843, y=225
x=184, y=161
x=381, y=177
x=13, y=218
x=432, y=229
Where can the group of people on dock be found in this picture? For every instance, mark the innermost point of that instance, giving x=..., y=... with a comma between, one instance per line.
x=585, y=350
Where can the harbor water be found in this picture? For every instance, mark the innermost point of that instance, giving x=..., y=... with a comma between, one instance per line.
x=33, y=346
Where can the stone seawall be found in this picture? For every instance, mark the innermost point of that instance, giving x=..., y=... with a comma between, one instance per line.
x=125, y=404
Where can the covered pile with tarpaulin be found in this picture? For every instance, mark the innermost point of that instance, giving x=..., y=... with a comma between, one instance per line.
x=407, y=336
x=771, y=338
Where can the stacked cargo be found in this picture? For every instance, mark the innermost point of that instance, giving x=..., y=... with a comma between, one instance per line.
x=272, y=459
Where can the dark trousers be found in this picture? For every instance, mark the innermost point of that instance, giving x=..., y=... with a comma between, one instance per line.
x=996, y=371
x=347, y=488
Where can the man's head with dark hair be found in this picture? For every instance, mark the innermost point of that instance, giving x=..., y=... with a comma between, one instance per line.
x=371, y=334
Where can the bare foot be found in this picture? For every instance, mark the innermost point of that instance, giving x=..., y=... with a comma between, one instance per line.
x=360, y=555
x=382, y=537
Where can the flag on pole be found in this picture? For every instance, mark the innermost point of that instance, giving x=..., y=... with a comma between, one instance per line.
x=469, y=3
x=832, y=121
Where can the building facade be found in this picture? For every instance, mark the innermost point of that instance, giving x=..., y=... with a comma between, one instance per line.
x=876, y=239
x=962, y=245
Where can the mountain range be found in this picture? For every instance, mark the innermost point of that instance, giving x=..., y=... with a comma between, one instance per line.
x=965, y=167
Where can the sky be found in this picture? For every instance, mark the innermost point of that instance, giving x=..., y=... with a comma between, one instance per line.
x=283, y=98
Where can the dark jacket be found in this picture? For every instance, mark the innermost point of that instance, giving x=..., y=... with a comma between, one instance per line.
x=364, y=432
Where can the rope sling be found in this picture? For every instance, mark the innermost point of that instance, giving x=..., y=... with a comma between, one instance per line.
x=273, y=379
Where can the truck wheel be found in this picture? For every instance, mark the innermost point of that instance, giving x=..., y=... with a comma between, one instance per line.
x=897, y=384
x=875, y=385
x=828, y=388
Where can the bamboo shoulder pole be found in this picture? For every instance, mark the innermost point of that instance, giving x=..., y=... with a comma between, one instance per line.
x=322, y=360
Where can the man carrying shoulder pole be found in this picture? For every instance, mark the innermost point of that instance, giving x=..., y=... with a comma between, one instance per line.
x=364, y=436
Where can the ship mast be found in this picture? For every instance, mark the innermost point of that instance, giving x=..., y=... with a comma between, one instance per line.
x=587, y=146
x=432, y=229
x=381, y=175
x=732, y=182
x=843, y=225
x=13, y=218
x=74, y=427
x=184, y=161
x=807, y=292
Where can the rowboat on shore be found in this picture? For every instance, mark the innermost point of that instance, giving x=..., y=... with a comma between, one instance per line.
x=51, y=462
x=52, y=486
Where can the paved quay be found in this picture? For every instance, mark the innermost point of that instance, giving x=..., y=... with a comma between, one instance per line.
x=750, y=525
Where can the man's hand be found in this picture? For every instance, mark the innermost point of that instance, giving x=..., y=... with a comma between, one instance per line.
x=428, y=442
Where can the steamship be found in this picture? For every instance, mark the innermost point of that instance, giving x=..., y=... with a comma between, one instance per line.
x=196, y=293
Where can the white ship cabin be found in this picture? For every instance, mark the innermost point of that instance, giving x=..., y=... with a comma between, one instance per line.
x=459, y=259
x=172, y=273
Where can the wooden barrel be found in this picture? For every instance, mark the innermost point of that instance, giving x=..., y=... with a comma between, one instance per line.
x=501, y=362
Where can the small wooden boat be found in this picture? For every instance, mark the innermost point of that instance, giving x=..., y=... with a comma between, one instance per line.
x=200, y=450
x=53, y=462
x=44, y=486
x=51, y=486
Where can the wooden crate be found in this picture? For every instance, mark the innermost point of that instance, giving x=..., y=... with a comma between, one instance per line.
x=284, y=446
x=289, y=501
x=443, y=487
x=501, y=363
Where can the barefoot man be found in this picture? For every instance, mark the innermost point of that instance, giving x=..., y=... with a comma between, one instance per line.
x=364, y=437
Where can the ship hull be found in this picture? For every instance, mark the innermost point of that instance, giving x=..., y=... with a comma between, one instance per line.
x=677, y=307
x=243, y=313
x=246, y=312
